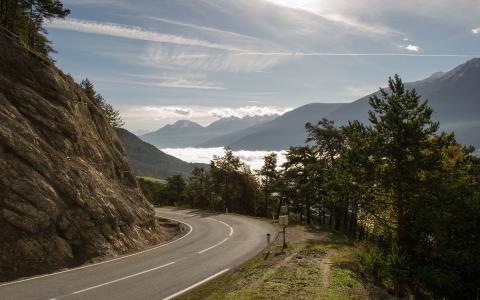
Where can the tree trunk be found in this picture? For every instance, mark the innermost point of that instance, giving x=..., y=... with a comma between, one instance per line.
x=14, y=16
x=226, y=193
x=353, y=224
x=309, y=213
x=30, y=25
x=1, y=11
x=346, y=221
x=266, y=203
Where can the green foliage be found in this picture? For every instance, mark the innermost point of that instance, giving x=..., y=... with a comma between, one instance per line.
x=412, y=193
x=154, y=190
x=26, y=18
x=228, y=184
x=269, y=179
x=112, y=115
x=175, y=190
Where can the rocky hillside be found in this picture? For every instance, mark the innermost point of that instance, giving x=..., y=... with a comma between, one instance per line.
x=67, y=192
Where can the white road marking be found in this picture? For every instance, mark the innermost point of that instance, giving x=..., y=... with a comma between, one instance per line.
x=209, y=248
x=231, y=228
x=180, y=214
x=195, y=285
x=107, y=261
x=123, y=278
x=221, y=242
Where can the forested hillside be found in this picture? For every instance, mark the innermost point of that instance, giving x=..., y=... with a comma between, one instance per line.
x=147, y=160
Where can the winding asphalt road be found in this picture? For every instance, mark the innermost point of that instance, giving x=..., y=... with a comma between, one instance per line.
x=212, y=245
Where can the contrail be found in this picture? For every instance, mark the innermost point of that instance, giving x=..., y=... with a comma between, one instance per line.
x=300, y=54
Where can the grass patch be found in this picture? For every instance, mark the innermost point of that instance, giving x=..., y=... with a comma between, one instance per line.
x=309, y=270
x=343, y=277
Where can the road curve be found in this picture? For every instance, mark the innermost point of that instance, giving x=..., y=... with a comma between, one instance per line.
x=212, y=245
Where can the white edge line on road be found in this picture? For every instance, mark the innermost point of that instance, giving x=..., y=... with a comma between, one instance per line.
x=107, y=261
x=231, y=228
x=221, y=242
x=195, y=285
x=209, y=248
x=123, y=278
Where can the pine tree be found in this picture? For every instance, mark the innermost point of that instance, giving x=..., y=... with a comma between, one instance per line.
x=113, y=116
x=269, y=175
x=26, y=18
x=176, y=189
x=227, y=166
x=403, y=133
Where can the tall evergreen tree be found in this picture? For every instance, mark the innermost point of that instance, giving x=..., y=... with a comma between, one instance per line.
x=112, y=115
x=403, y=150
x=269, y=175
x=227, y=166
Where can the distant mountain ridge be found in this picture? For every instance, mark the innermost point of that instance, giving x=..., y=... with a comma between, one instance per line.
x=273, y=135
x=454, y=96
x=148, y=160
x=185, y=133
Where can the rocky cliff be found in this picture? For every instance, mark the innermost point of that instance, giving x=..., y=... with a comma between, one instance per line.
x=67, y=192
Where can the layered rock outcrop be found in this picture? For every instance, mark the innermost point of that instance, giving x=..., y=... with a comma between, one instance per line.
x=67, y=192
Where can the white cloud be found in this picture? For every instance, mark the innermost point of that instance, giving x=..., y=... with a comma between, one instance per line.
x=438, y=9
x=323, y=9
x=476, y=30
x=239, y=38
x=169, y=110
x=247, y=111
x=177, y=81
x=209, y=60
x=359, y=25
x=254, y=159
x=413, y=48
x=314, y=6
x=131, y=32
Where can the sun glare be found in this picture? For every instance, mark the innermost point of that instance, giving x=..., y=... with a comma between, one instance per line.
x=314, y=6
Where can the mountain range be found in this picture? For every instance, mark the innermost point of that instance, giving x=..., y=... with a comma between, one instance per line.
x=184, y=133
x=454, y=96
x=147, y=160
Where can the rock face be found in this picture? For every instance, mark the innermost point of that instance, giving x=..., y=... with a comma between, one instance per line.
x=67, y=192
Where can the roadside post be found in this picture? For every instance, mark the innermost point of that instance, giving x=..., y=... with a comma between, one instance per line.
x=268, y=243
x=283, y=222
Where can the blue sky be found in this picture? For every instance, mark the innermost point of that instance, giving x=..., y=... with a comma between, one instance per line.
x=158, y=61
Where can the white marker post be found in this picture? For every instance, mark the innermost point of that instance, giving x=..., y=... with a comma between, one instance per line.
x=283, y=221
x=268, y=242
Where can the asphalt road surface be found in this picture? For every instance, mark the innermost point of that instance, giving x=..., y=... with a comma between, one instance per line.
x=212, y=245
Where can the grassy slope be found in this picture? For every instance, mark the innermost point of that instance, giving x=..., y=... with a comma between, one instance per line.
x=152, y=179
x=315, y=266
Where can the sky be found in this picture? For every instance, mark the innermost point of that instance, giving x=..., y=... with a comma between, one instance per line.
x=158, y=61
